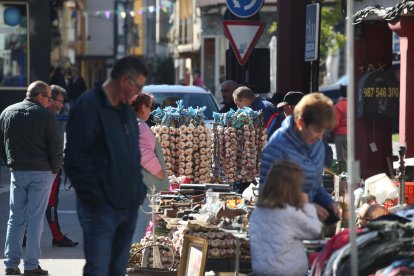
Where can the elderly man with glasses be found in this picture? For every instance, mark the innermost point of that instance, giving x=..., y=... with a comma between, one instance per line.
x=30, y=145
x=59, y=240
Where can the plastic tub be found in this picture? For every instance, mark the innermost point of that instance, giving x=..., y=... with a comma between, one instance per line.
x=381, y=187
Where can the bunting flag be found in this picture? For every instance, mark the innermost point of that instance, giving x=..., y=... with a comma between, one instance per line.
x=165, y=7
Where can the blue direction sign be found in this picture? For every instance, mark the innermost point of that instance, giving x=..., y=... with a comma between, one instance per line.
x=244, y=8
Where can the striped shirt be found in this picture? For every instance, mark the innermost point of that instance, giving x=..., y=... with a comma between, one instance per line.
x=285, y=144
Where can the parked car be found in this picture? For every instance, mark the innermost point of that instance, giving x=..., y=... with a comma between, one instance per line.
x=194, y=96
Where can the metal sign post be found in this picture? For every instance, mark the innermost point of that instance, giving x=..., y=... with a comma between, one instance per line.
x=352, y=164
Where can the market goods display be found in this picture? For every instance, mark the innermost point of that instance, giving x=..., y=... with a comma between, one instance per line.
x=238, y=139
x=221, y=245
x=149, y=253
x=185, y=141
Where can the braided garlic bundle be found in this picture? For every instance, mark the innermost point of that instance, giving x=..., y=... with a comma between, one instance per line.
x=186, y=148
x=238, y=140
x=187, y=151
x=202, y=154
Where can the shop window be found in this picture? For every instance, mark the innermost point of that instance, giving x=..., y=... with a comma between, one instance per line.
x=14, y=45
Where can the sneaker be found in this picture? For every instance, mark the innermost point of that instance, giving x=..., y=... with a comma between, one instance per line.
x=64, y=242
x=36, y=271
x=13, y=271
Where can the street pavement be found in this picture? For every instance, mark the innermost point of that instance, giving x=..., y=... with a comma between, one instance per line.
x=57, y=260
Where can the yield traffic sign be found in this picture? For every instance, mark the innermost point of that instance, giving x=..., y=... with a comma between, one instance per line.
x=243, y=36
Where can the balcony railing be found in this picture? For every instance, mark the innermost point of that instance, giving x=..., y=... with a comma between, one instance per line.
x=186, y=31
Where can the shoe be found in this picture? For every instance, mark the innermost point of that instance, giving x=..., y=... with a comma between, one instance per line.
x=13, y=271
x=65, y=242
x=36, y=271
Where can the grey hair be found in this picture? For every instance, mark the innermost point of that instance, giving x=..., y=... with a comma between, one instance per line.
x=57, y=90
x=243, y=92
x=36, y=88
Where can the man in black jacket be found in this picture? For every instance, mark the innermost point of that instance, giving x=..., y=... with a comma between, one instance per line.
x=76, y=85
x=102, y=161
x=227, y=89
x=31, y=147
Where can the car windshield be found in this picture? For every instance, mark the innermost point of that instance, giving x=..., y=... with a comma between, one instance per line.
x=189, y=99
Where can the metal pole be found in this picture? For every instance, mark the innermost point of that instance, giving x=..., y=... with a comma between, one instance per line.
x=126, y=27
x=116, y=18
x=353, y=165
x=401, y=194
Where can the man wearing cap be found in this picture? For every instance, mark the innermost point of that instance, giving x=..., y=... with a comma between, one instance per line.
x=291, y=99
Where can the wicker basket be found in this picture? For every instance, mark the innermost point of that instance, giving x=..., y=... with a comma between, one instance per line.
x=148, y=270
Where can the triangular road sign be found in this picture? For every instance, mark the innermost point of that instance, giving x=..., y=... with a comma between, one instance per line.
x=243, y=36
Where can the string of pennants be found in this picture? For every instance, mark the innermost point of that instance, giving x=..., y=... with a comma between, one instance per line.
x=109, y=14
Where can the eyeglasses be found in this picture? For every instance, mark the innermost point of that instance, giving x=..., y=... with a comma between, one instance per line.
x=139, y=87
x=46, y=96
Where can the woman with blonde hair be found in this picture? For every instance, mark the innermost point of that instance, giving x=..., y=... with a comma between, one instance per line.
x=299, y=140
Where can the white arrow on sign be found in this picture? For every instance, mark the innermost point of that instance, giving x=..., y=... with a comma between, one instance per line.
x=243, y=36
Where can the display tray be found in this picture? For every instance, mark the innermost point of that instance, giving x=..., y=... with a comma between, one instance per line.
x=203, y=187
x=150, y=272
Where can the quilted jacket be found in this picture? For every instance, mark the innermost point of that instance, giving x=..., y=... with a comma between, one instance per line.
x=286, y=144
x=276, y=239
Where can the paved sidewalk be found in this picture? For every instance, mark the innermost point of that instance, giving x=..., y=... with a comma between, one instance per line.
x=57, y=260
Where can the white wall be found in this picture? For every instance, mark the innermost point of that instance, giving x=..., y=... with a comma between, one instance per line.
x=100, y=32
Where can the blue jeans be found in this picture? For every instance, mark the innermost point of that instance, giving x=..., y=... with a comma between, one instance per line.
x=107, y=237
x=29, y=194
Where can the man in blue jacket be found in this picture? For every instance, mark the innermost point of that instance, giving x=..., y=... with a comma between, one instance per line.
x=244, y=96
x=102, y=161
